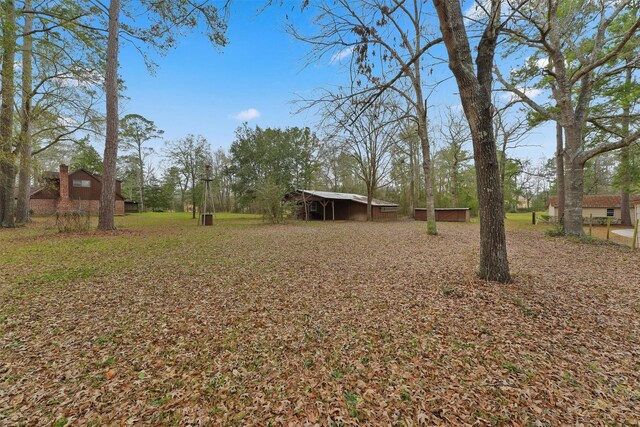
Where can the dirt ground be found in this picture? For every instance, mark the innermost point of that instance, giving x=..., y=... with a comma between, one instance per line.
x=243, y=323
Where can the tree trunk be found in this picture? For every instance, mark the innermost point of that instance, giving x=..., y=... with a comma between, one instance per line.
x=107, y=194
x=428, y=172
x=574, y=181
x=193, y=197
x=475, y=95
x=7, y=155
x=625, y=207
x=454, y=185
x=412, y=181
x=141, y=178
x=24, y=182
x=560, y=185
x=625, y=164
x=369, y=199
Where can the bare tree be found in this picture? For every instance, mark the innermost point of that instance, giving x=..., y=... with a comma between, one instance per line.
x=368, y=140
x=475, y=85
x=455, y=135
x=189, y=155
x=389, y=41
x=135, y=131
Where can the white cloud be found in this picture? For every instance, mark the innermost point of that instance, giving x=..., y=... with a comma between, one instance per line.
x=247, y=115
x=531, y=92
x=542, y=63
x=344, y=53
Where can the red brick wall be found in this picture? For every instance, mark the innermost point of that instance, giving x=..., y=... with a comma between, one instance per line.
x=48, y=206
x=43, y=206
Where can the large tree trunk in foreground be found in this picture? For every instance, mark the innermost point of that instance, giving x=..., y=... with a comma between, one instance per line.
x=24, y=177
x=412, y=181
x=625, y=164
x=7, y=156
x=574, y=181
x=560, y=186
x=107, y=194
x=475, y=95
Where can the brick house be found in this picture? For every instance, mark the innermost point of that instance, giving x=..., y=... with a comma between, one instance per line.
x=600, y=206
x=79, y=190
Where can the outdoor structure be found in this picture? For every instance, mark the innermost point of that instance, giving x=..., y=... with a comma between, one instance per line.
x=79, y=190
x=326, y=205
x=445, y=214
x=131, y=206
x=598, y=206
x=206, y=208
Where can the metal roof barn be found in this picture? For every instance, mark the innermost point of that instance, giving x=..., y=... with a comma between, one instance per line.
x=324, y=205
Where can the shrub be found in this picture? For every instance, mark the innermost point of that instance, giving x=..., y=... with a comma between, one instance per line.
x=556, y=230
x=71, y=221
x=270, y=204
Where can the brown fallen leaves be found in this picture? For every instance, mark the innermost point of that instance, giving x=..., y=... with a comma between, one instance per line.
x=318, y=324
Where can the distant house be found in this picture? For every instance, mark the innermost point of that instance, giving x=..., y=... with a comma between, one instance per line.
x=327, y=205
x=79, y=190
x=599, y=206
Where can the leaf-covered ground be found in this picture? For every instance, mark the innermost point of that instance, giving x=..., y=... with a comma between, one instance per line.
x=167, y=323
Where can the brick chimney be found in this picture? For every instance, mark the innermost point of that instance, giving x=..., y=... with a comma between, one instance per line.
x=64, y=202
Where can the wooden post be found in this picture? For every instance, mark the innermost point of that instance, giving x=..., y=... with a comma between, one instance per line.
x=333, y=210
x=634, y=242
x=590, y=224
x=533, y=218
x=324, y=209
x=608, y=226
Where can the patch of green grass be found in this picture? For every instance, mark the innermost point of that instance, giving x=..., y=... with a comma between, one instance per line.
x=109, y=361
x=60, y=422
x=450, y=291
x=351, y=399
x=512, y=368
x=568, y=377
x=524, y=307
x=162, y=400
x=338, y=374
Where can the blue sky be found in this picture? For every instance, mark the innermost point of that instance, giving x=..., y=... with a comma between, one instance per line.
x=198, y=89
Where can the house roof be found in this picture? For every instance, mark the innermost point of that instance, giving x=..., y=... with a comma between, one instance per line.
x=599, y=200
x=358, y=198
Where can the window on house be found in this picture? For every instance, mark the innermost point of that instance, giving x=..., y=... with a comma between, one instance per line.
x=313, y=207
x=609, y=211
x=84, y=183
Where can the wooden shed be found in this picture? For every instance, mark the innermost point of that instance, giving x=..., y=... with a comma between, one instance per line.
x=445, y=214
x=327, y=205
x=131, y=206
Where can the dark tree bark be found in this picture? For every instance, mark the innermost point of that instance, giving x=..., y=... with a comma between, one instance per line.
x=412, y=181
x=625, y=178
x=108, y=191
x=560, y=185
x=423, y=132
x=7, y=156
x=24, y=177
x=475, y=95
